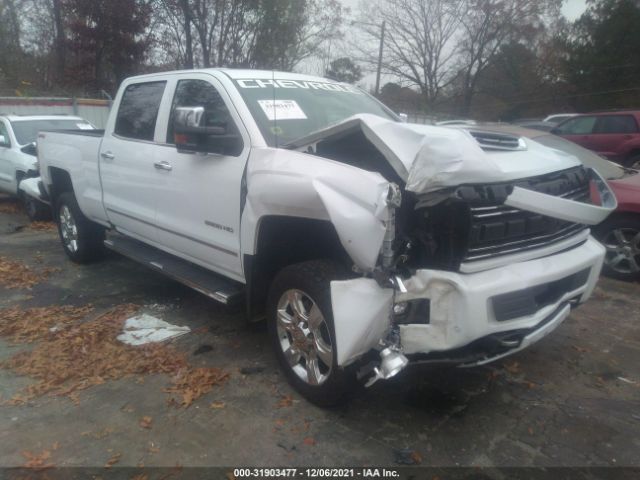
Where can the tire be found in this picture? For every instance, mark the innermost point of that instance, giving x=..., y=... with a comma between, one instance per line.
x=35, y=209
x=81, y=238
x=304, y=288
x=621, y=237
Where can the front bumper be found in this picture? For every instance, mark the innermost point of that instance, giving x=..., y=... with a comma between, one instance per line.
x=463, y=306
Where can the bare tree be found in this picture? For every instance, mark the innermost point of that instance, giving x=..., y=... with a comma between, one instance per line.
x=490, y=24
x=420, y=40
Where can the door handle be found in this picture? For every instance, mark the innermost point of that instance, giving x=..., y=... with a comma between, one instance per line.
x=107, y=155
x=163, y=166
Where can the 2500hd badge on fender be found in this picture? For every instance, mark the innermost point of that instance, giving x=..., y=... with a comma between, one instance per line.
x=366, y=242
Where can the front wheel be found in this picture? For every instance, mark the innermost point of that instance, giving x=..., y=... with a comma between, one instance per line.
x=81, y=238
x=621, y=237
x=302, y=333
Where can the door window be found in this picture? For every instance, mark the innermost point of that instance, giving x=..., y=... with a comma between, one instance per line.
x=138, y=110
x=5, y=134
x=577, y=126
x=200, y=93
x=613, y=124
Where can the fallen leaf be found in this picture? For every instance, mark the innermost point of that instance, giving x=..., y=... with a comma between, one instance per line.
x=309, y=441
x=285, y=401
x=37, y=461
x=416, y=457
x=513, y=367
x=115, y=458
x=145, y=422
x=217, y=405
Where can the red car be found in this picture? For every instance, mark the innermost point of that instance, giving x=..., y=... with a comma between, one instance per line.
x=614, y=135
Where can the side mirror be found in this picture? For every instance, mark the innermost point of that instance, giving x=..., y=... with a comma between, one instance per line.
x=4, y=142
x=404, y=118
x=555, y=131
x=30, y=149
x=191, y=136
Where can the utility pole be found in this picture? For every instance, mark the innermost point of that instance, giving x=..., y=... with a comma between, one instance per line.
x=380, y=57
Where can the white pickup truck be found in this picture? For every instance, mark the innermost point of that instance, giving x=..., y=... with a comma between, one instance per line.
x=366, y=242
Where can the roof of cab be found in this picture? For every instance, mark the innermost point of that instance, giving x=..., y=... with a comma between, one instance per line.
x=243, y=73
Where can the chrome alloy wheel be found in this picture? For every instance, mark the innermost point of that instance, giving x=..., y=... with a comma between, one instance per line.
x=68, y=229
x=623, y=250
x=304, y=337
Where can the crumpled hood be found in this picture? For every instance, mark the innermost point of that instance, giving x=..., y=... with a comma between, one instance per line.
x=431, y=158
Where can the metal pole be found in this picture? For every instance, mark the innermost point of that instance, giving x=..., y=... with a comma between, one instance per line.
x=380, y=57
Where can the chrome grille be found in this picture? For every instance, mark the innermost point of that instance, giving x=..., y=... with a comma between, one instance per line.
x=500, y=229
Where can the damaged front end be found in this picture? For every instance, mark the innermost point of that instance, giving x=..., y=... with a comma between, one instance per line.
x=473, y=271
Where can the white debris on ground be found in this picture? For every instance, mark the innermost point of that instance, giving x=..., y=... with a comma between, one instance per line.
x=146, y=328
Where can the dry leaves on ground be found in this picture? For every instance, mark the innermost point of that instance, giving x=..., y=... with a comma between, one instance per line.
x=39, y=461
x=81, y=355
x=192, y=383
x=11, y=207
x=17, y=275
x=28, y=325
x=42, y=226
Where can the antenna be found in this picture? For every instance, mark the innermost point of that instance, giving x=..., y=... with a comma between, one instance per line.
x=273, y=105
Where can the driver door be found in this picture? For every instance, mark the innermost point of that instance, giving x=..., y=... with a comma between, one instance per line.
x=198, y=195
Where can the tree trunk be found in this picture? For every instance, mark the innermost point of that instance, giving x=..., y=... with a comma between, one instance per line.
x=188, y=62
x=60, y=46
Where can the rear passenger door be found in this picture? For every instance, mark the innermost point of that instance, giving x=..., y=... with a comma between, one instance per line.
x=579, y=130
x=127, y=161
x=611, y=133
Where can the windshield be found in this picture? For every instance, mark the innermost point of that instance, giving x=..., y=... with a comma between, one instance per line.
x=26, y=131
x=607, y=169
x=294, y=108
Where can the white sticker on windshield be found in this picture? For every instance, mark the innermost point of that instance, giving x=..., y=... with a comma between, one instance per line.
x=282, y=109
x=84, y=126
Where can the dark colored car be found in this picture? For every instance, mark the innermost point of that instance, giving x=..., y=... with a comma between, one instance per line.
x=614, y=135
x=620, y=232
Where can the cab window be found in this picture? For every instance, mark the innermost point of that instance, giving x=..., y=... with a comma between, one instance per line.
x=200, y=93
x=577, y=126
x=612, y=124
x=138, y=110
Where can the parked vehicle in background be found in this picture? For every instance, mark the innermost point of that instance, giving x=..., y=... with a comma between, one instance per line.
x=557, y=118
x=366, y=242
x=542, y=126
x=18, y=159
x=620, y=232
x=445, y=123
x=614, y=135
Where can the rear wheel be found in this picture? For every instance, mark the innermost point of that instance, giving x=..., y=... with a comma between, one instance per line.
x=621, y=237
x=302, y=331
x=81, y=238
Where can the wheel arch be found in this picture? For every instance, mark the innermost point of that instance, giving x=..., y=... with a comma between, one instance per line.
x=282, y=241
